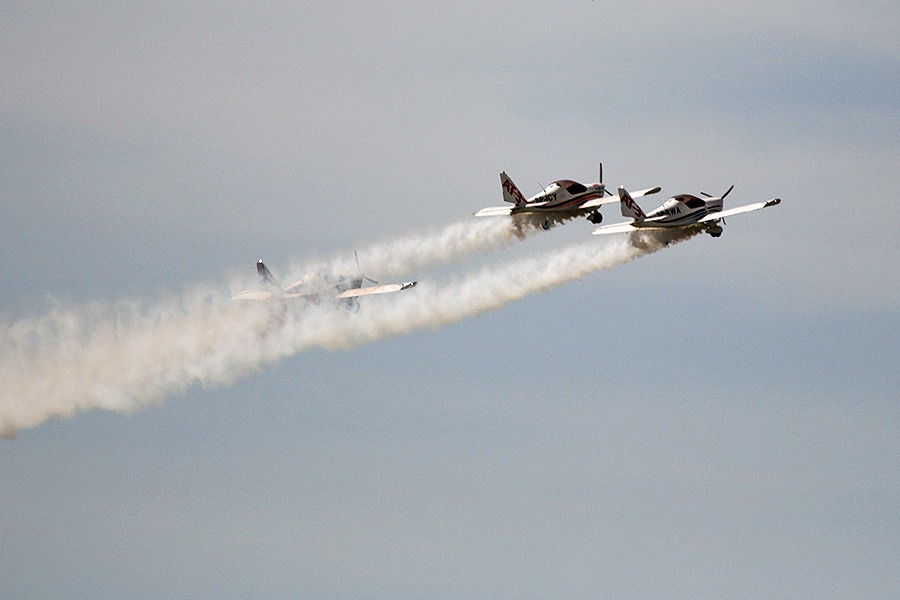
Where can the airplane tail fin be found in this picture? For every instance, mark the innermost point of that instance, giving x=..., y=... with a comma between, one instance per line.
x=511, y=193
x=630, y=208
x=265, y=275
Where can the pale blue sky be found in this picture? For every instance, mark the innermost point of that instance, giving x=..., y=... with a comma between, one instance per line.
x=719, y=419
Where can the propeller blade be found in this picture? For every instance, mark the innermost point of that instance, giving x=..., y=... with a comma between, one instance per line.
x=728, y=192
x=601, y=174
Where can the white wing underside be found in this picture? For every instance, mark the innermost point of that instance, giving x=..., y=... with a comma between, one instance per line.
x=738, y=210
x=598, y=202
x=354, y=293
x=499, y=211
x=626, y=227
x=619, y=228
x=375, y=289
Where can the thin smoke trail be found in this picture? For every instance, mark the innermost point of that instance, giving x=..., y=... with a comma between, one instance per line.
x=421, y=250
x=72, y=356
x=125, y=356
x=434, y=304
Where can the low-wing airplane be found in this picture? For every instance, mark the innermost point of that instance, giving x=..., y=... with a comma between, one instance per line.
x=563, y=198
x=679, y=211
x=316, y=286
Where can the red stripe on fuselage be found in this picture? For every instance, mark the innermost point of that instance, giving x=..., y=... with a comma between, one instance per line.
x=570, y=204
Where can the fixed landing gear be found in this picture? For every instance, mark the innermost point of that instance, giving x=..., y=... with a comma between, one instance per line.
x=595, y=217
x=714, y=230
x=545, y=225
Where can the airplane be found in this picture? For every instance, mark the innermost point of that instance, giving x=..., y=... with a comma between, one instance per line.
x=561, y=199
x=679, y=211
x=316, y=286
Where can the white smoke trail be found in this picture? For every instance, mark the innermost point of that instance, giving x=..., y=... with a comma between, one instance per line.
x=126, y=356
x=435, y=304
x=417, y=251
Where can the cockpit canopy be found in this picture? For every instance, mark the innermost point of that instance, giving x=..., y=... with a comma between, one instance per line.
x=573, y=187
x=690, y=201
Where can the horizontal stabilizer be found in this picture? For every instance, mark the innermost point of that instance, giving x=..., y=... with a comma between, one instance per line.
x=494, y=211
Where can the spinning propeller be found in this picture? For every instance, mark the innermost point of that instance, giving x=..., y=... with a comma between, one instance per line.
x=722, y=196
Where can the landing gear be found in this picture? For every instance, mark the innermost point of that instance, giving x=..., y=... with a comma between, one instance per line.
x=595, y=217
x=546, y=225
x=714, y=230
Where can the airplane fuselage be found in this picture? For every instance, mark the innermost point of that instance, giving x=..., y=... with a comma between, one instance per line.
x=683, y=209
x=561, y=195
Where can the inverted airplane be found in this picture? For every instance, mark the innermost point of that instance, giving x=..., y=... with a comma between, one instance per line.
x=317, y=286
x=561, y=199
x=679, y=211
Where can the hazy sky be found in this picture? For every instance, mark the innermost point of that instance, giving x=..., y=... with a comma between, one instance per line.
x=717, y=419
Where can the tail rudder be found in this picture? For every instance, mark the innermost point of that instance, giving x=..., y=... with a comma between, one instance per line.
x=511, y=193
x=265, y=275
x=630, y=208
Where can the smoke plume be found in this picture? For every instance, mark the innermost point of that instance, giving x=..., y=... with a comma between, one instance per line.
x=417, y=252
x=124, y=356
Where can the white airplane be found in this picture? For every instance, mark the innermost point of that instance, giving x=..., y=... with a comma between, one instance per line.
x=316, y=286
x=679, y=211
x=561, y=199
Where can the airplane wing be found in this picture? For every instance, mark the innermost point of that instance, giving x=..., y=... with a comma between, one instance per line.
x=496, y=211
x=311, y=284
x=376, y=289
x=252, y=295
x=646, y=192
x=616, y=228
x=611, y=199
x=738, y=210
x=599, y=202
